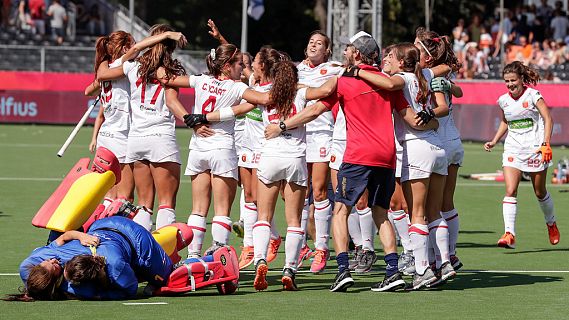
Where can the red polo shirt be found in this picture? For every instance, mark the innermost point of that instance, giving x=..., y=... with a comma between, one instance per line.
x=369, y=126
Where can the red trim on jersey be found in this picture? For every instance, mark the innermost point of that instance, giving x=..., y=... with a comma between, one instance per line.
x=416, y=230
x=225, y=225
x=264, y=84
x=516, y=99
x=197, y=228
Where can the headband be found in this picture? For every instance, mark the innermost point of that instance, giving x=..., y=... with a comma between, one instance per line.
x=424, y=47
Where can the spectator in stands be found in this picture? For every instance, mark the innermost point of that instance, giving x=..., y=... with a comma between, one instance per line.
x=485, y=40
x=559, y=7
x=537, y=31
x=475, y=61
x=559, y=25
x=37, y=13
x=526, y=50
x=545, y=11
x=95, y=23
x=474, y=28
x=58, y=17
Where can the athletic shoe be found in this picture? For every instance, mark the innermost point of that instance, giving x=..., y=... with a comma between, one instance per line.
x=214, y=246
x=304, y=254
x=238, y=227
x=422, y=280
x=455, y=262
x=553, y=233
x=193, y=255
x=507, y=241
x=366, y=261
x=353, y=263
x=320, y=258
x=288, y=280
x=246, y=257
x=260, y=282
x=274, y=245
x=389, y=283
x=446, y=272
x=342, y=281
x=406, y=264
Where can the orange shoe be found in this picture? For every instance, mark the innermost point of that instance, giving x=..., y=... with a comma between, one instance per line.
x=305, y=254
x=320, y=258
x=288, y=280
x=274, y=245
x=246, y=257
x=553, y=233
x=260, y=282
x=507, y=241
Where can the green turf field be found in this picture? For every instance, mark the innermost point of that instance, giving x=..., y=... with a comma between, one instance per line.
x=525, y=283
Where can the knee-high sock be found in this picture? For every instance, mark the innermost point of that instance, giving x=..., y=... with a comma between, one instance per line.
x=249, y=216
x=400, y=220
x=438, y=235
x=354, y=227
x=166, y=215
x=144, y=218
x=509, y=210
x=322, y=218
x=261, y=237
x=419, y=234
x=304, y=220
x=431, y=252
x=367, y=227
x=241, y=204
x=197, y=223
x=453, y=222
x=274, y=231
x=546, y=205
x=221, y=229
x=293, y=244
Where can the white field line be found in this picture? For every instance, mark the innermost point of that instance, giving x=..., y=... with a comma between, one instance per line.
x=37, y=145
x=459, y=184
x=143, y=303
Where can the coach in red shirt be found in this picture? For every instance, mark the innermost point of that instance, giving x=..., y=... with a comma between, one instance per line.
x=369, y=159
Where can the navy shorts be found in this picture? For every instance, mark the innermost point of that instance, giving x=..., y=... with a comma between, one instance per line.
x=354, y=179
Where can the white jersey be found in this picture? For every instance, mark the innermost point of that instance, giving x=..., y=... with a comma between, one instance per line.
x=447, y=130
x=525, y=124
x=291, y=143
x=315, y=77
x=403, y=131
x=115, y=101
x=149, y=114
x=211, y=95
x=254, y=126
x=339, y=126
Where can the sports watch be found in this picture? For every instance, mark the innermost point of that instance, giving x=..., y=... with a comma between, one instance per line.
x=282, y=125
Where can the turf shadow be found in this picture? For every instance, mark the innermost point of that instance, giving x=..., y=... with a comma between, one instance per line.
x=475, y=280
x=476, y=232
x=538, y=251
x=475, y=245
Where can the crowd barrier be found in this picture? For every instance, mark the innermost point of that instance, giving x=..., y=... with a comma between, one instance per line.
x=57, y=98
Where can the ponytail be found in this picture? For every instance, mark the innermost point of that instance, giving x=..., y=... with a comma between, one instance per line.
x=101, y=53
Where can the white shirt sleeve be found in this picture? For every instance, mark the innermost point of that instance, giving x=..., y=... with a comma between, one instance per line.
x=127, y=66
x=193, y=81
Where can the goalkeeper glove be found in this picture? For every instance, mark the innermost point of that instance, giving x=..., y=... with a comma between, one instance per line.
x=426, y=115
x=440, y=84
x=194, y=119
x=546, y=152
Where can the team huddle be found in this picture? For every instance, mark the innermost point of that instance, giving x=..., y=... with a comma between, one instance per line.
x=352, y=149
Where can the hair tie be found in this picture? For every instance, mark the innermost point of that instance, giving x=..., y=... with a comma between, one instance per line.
x=437, y=40
x=212, y=54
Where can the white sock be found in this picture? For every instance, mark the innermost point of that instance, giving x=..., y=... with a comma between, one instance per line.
x=431, y=252
x=401, y=225
x=322, y=219
x=221, y=229
x=241, y=204
x=249, y=216
x=509, y=210
x=293, y=244
x=107, y=201
x=354, y=227
x=274, y=231
x=144, y=218
x=261, y=237
x=197, y=224
x=438, y=236
x=453, y=222
x=546, y=205
x=304, y=220
x=419, y=234
x=367, y=227
x=165, y=216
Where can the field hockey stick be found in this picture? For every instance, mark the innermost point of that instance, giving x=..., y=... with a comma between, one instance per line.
x=77, y=127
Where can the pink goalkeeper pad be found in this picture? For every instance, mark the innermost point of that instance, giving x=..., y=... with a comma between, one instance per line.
x=105, y=160
x=43, y=215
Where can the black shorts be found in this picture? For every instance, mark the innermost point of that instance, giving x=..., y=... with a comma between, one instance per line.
x=354, y=179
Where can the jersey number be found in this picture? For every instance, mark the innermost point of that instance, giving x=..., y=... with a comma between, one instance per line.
x=274, y=118
x=209, y=105
x=534, y=163
x=107, y=91
x=143, y=91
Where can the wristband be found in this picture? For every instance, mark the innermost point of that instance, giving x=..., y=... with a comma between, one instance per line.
x=226, y=114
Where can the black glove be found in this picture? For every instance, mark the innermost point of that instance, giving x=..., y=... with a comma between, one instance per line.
x=351, y=71
x=426, y=115
x=194, y=119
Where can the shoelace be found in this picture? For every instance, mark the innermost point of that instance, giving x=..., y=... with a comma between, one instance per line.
x=319, y=256
x=275, y=245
